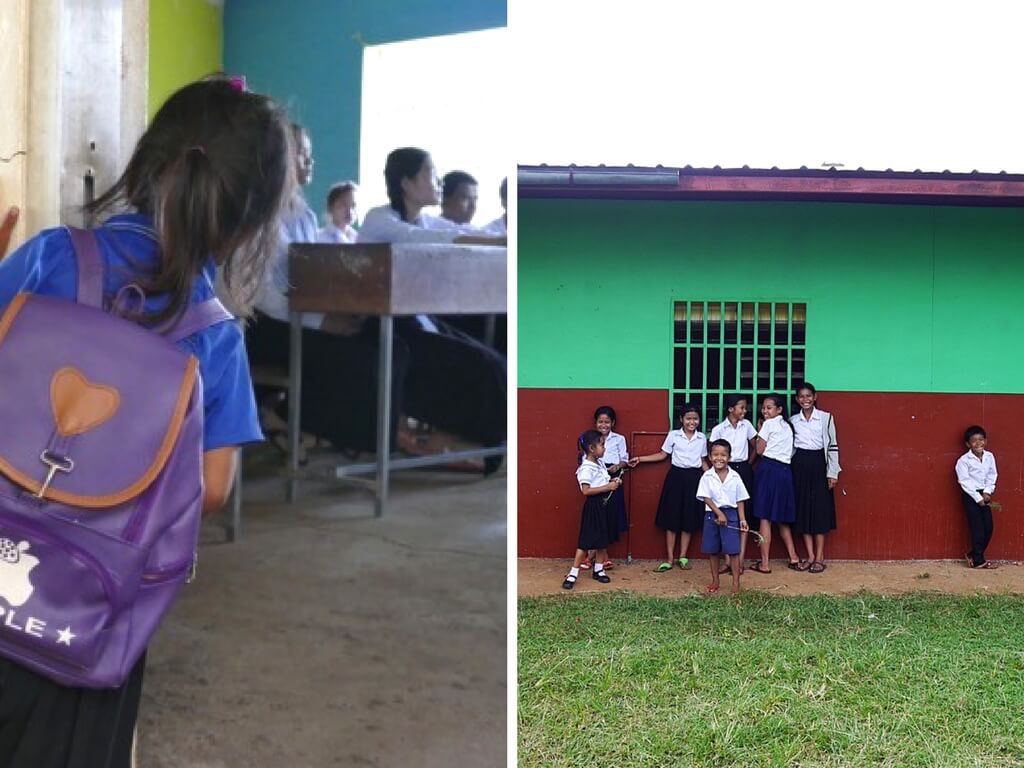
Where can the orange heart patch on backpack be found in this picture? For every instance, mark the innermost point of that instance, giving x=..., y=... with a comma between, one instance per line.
x=78, y=404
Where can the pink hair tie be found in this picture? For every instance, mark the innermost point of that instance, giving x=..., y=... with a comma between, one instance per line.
x=238, y=82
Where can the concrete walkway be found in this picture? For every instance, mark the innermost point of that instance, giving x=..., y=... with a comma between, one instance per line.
x=325, y=637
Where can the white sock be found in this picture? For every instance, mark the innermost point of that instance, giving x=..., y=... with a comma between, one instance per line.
x=574, y=572
x=598, y=568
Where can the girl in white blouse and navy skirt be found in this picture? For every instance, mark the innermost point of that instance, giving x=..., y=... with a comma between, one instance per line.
x=595, y=483
x=774, y=492
x=815, y=474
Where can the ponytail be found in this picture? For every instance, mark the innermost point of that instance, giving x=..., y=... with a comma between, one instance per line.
x=402, y=163
x=214, y=170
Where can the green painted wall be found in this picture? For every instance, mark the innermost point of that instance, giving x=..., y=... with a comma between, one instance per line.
x=900, y=298
x=186, y=42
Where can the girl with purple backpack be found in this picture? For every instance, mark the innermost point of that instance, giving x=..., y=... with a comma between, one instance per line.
x=201, y=193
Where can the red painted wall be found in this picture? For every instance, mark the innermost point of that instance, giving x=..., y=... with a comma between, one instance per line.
x=897, y=496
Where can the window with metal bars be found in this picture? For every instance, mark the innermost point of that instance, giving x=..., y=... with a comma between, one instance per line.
x=752, y=348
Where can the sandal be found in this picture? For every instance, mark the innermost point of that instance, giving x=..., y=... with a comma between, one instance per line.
x=663, y=567
x=987, y=565
x=570, y=582
x=608, y=565
x=816, y=567
x=585, y=565
x=800, y=565
x=760, y=568
x=968, y=560
x=712, y=588
x=724, y=568
x=684, y=563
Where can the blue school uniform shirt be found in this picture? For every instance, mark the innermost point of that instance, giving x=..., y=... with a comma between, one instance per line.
x=46, y=265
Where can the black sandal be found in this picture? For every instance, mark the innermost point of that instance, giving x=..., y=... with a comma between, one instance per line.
x=760, y=568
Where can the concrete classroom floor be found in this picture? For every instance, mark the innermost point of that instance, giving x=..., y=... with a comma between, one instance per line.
x=325, y=637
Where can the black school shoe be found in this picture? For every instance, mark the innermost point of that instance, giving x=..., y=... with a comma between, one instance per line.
x=601, y=576
x=569, y=583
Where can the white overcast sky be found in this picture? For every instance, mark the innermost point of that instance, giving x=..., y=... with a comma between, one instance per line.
x=899, y=84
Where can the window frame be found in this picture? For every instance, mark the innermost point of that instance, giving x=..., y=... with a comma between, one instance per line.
x=796, y=312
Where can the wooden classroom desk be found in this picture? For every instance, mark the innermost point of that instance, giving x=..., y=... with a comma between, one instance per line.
x=385, y=280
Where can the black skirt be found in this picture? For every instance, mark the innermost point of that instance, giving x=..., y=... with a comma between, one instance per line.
x=595, y=532
x=46, y=725
x=617, y=512
x=746, y=473
x=679, y=509
x=815, y=504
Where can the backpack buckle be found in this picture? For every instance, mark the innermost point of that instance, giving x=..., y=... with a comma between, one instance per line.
x=56, y=464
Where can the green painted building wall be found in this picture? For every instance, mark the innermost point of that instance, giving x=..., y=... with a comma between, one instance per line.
x=186, y=42
x=899, y=298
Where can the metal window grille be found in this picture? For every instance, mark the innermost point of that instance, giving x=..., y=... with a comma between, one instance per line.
x=751, y=348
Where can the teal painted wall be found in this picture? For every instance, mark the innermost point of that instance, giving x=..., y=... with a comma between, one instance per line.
x=899, y=298
x=308, y=54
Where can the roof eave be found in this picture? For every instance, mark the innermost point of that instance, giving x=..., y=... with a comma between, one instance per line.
x=764, y=184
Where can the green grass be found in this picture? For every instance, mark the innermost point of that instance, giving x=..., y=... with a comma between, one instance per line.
x=624, y=680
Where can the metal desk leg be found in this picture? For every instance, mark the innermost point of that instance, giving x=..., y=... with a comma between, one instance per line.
x=294, y=401
x=387, y=341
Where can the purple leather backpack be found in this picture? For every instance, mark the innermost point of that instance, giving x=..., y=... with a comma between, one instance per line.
x=101, y=478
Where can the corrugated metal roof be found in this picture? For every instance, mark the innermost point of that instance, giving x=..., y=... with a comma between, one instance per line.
x=814, y=184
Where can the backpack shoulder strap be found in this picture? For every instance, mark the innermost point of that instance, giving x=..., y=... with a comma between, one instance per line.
x=91, y=270
x=91, y=266
x=197, y=317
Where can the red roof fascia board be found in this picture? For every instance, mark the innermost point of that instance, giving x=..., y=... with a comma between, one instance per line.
x=762, y=184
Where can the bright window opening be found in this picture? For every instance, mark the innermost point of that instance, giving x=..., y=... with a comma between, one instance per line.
x=447, y=95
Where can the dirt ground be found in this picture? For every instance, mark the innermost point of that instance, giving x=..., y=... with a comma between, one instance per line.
x=327, y=637
x=544, y=577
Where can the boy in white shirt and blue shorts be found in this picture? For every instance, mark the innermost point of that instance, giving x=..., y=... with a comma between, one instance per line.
x=722, y=490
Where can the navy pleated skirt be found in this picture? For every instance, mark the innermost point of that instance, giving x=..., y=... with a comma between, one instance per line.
x=775, y=500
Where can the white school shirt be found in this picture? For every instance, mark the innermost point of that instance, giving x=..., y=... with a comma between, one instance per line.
x=727, y=494
x=615, y=449
x=383, y=224
x=973, y=473
x=592, y=473
x=334, y=234
x=298, y=225
x=739, y=437
x=807, y=433
x=498, y=227
x=779, y=439
x=686, y=452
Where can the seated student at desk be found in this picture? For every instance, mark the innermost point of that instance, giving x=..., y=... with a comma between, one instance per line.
x=459, y=193
x=500, y=225
x=341, y=207
x=339, y=352
x=455, y=383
